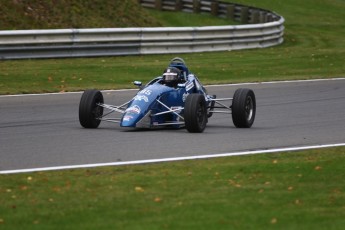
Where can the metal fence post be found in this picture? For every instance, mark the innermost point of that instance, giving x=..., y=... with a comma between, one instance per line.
x=214, y=8
x=158, y=4
x=244, y=15
x=230, y=12
x=196, y=6
x=178, y=5
x=262, y=17
x=269, y=18
x=255, y=16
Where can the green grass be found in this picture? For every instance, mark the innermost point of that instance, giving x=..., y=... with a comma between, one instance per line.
x=37, y=14
x=292, y=190
x=314, y=47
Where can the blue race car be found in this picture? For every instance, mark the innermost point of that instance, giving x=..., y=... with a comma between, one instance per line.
x=176, y=99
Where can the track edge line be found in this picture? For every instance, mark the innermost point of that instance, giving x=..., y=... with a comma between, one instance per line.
x=208, y=156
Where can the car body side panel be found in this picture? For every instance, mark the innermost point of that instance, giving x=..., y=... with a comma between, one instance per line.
x=146, y=103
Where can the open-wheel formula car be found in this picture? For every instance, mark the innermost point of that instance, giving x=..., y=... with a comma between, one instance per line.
x=176, y=99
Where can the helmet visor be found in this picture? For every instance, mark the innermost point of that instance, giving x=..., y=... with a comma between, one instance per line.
x=170, y=76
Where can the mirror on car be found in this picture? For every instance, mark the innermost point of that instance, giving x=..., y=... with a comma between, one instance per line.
x=137, y=83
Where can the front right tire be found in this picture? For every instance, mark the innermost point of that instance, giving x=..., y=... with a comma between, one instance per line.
x=195, y=113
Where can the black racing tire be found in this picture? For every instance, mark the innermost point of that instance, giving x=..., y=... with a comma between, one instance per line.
x=243, y=108
x=195, y=113
x=89, y=111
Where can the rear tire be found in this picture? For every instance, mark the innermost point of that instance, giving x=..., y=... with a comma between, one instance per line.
x=243, y=108
x=89, y=110
x=195, y=113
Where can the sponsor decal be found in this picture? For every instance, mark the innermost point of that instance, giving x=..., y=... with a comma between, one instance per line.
x=141, y=98
x=184, y=96
x=133, y=109
x=189, y=86
x=146, y=92
x=127, y=118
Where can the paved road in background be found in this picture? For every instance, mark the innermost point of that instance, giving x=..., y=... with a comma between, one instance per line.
x=43, y=130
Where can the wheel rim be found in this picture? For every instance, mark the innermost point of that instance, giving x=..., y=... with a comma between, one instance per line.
x=98, y=110
x=200, y=114
x=249, y=108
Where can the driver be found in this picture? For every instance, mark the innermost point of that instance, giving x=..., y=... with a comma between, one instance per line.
x=171, y=76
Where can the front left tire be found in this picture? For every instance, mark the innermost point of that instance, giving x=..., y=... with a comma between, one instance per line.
x=89, y=110
x=243, y=108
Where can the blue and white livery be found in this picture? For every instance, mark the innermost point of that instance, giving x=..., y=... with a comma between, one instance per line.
x=176, y=99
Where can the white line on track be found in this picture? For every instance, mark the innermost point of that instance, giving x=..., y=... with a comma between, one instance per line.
x=235, y=84
x=289, y=149
x=279, y=82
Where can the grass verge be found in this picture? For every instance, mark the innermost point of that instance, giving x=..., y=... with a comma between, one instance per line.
x=37, y=14
x=314, y=47
x=291, y=190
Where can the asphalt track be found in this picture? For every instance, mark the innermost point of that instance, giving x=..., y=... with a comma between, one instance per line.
x=39, y=131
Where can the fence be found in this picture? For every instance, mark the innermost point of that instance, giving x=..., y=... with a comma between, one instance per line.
x=265, y=29
x=240, y=13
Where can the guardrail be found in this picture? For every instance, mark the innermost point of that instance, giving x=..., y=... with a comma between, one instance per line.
x=268, y=31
